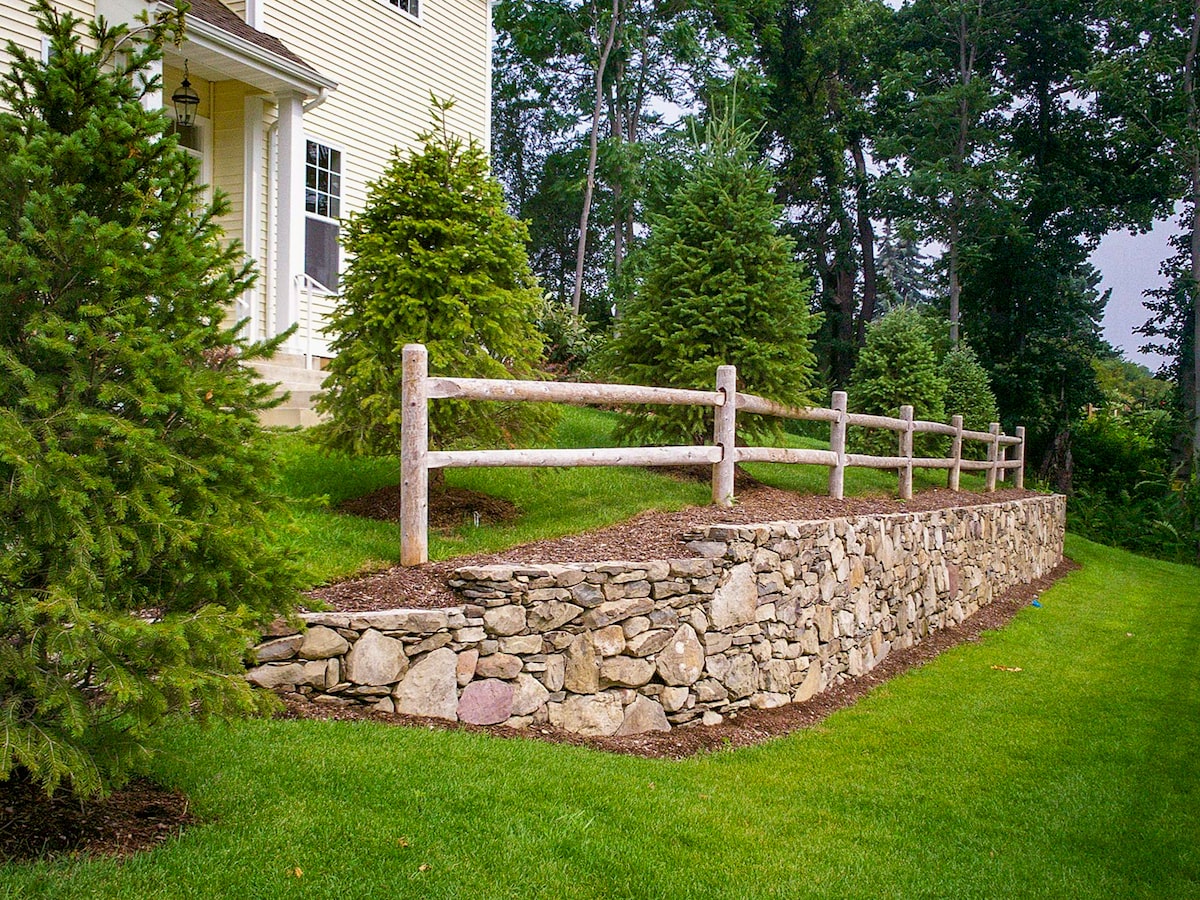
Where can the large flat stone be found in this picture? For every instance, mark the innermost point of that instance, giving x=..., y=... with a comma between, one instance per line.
x=597, y=714
x=487, y=702
x=681, y=661
x=643, y=715
x=375, y=659
x=431, y=687
x=736, y=601
x=321, y=643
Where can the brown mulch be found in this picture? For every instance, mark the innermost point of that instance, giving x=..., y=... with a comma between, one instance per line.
x=648, y=536
x=449, y=507
x=140, y=816
x=749, y=726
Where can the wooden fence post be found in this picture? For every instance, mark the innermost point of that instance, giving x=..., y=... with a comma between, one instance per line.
x=906, y=450
x=993, y=455
x=724, y=436
x=837, y=444
x=955, y=452
x=414, y=448
x=1019, y=455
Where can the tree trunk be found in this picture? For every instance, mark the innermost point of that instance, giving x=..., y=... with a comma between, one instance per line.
x=866, y=243
x=1193, y=155
x=593, y=146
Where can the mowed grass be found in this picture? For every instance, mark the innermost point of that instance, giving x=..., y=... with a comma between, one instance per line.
x=552, y=501
x=1075, y=777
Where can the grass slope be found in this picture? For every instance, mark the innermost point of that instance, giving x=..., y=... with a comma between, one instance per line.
x=553, y=501
x=1075, y=777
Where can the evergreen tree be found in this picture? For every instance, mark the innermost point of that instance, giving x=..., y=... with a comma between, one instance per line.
x=897, y=367
x=435, y=259
x=720, y=286
x=134, y=566
x=968, y=394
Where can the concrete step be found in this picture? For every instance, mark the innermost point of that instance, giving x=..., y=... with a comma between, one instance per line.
x=289, y=417
x=291, y=378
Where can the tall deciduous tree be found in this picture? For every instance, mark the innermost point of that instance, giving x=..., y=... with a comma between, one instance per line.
x=134, y=566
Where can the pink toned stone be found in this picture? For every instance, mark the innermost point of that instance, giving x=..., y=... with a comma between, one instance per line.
x=487, y=702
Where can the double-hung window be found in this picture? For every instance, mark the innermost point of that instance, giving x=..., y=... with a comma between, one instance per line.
x=323, y=207
x=412, y=7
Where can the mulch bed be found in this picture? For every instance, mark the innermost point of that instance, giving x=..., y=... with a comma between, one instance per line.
x=449, y=507
x=648, y=536
x=140, y=816
x=749, y=726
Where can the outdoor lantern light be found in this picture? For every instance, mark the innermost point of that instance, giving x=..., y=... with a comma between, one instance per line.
x=186, y=100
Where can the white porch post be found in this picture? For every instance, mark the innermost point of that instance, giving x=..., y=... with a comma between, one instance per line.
x=254, y=162
x=289, y=209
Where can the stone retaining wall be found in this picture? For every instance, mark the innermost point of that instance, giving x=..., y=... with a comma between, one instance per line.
x=766, y=615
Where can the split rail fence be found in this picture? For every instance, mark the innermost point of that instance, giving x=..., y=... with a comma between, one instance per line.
x=416, y=459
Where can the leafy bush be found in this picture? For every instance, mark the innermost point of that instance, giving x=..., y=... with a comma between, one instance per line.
x=435, y=259
x=720, y=286
x=569, y=340
x=968, y=394
x=135, y=567
x=896, y=367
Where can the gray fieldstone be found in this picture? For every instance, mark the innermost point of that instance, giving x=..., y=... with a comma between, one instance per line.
x=431, y=687
x=643, y=715
x=552, y=615
x=504, y=620
x=648, y=642
x=276, y=676
x=609, y=641
x=597, y=715
x=582, y=672
x=613, y=611
x=555, y=672
x=674, y=698
x=529, y=696
x=521, y=644
x=625, y=671
x=487, y=702
x=322, y=643
x=375, y=659
x=682, y=660
x=735, y=602
x=282, y=648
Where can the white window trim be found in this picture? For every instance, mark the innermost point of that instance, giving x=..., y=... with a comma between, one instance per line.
x=404, y=12
x=205, y=155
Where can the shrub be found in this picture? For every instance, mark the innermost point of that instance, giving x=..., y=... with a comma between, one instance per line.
x=720, y=286
x=435, y=259
x=968, y=394
x=134, y=569
x=896, y=368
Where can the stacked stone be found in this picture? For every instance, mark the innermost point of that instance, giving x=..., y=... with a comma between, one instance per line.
x=764, y=615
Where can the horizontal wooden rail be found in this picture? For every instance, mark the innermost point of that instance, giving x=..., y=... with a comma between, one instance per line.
x=866, y=421
x=416, y=460
x=610, y=456
x=787, y=455
x=762, y=406
x=577, y=393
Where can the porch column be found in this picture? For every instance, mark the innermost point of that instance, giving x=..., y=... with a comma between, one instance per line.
x=254, y=163
x=289, y=209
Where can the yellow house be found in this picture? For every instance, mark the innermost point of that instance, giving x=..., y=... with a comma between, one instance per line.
x=301, y=103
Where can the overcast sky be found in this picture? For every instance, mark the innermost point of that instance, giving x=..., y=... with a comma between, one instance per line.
x=1130, y=264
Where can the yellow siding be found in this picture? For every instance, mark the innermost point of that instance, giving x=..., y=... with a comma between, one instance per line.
x=386, y=65
x=19, y=24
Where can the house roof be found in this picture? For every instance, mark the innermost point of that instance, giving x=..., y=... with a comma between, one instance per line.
x=218, y=14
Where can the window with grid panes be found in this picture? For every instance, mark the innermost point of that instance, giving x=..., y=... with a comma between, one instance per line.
x=323, y=205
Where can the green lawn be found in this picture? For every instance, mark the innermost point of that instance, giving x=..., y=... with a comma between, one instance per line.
x=1075, y=777
x=553, y=501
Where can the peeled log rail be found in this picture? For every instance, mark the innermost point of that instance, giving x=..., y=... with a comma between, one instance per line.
x=416, y=460
x=577, y=393
x=762, y=406
x=616, y=456
x=787, y=455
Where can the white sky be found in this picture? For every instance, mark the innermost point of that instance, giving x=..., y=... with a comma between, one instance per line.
x=1129, y=264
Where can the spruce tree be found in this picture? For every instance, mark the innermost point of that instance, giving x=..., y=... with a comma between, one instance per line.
x=133, y=563
x=968, y=394
x=720, y=286
x=434, y=259
x=897, y=367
